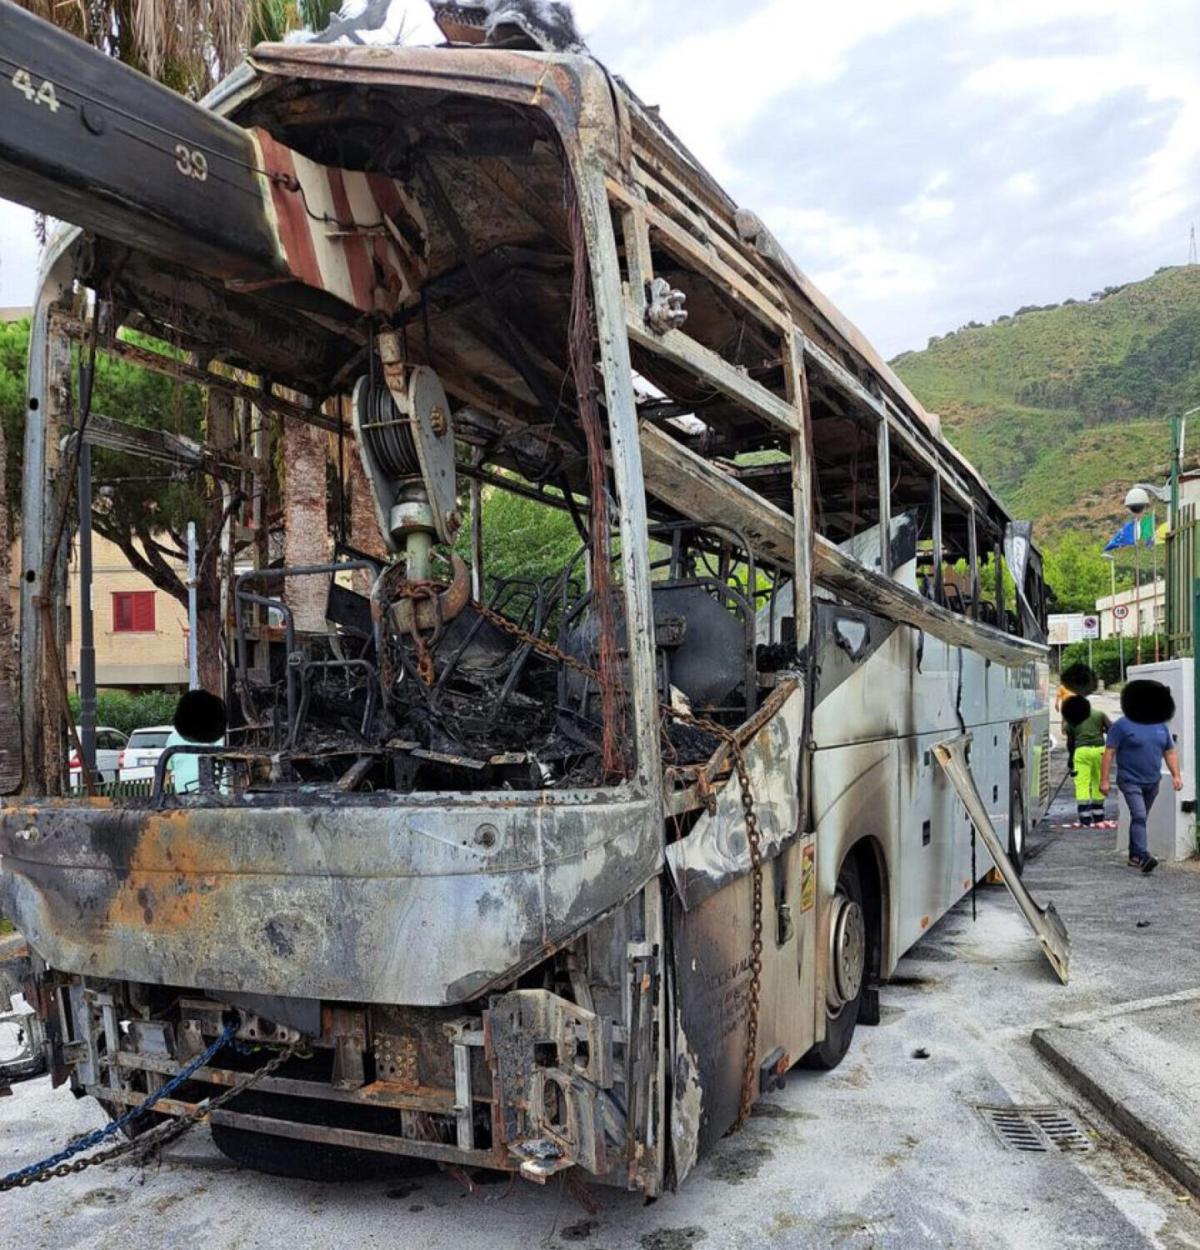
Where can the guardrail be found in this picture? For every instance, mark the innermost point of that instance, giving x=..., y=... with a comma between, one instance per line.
x=134, y=788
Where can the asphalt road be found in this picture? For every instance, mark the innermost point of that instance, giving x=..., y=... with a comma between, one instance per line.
x=889, y=1151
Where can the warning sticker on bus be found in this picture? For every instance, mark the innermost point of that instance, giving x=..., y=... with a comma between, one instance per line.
x=808, y=877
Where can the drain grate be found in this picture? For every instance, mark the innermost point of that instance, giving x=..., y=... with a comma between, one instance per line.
x=1036, y=1130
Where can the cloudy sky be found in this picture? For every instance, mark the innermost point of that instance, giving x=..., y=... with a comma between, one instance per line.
x=928, y=162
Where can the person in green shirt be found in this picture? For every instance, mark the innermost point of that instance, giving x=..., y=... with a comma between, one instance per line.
x=1086, y=730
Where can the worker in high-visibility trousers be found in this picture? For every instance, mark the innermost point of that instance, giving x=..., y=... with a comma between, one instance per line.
x=1086, y=730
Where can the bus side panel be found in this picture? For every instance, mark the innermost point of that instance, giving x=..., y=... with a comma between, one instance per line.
x=711, y=950
x=935, y=867
x=856, y=794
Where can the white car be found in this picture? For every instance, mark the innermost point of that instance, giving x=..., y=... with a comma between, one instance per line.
x=109, y=745
x=142, y=751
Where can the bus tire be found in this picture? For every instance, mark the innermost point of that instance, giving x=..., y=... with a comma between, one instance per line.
x=1018, y=824
x=849, y=936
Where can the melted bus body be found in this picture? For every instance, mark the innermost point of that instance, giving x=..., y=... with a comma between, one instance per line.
x=544, y=872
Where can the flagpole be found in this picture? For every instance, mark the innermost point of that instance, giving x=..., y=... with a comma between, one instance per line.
x=1137, y=591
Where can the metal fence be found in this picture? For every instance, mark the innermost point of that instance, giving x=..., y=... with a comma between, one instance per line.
x=1183, y=571
x=138, y=788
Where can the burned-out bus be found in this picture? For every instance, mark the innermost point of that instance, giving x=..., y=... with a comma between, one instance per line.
x=524, y=873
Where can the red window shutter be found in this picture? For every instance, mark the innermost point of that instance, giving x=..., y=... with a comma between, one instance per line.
x=122, y=612
x=133, y=612
x=143, y=611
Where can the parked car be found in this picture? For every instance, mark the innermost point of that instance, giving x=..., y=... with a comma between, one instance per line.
x=142, y=751
x=109, y=745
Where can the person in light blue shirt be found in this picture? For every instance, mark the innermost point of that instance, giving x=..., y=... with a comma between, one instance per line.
x=200, y=721
x=1140, y=744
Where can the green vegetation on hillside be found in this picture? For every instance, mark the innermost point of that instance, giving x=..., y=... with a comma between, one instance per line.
x=1063, y=408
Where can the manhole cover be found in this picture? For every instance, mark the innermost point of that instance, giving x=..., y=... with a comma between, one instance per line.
x=1036, y=1130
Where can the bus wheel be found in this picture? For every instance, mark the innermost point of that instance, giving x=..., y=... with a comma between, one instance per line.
x=1017, y=825
x=847, y=972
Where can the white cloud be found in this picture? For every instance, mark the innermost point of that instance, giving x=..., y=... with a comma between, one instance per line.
x=926, y=208
x=1148, y=49
x=18, y=256
x=714, y=82
x=851, y=262
x=1023, y=185
x=720, y=85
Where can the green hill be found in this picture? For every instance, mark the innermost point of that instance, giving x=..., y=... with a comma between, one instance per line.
x=1062, y=408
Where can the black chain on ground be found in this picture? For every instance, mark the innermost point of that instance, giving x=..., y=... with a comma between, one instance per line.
x=162, y=1133
x=753, y=838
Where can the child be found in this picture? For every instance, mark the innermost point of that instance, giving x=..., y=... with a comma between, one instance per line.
x=1076, y=679
x=1086, y=730
x=1141, y=743
x=199, y=720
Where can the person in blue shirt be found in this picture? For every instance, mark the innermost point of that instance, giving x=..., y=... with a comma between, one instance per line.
x=1140, y=743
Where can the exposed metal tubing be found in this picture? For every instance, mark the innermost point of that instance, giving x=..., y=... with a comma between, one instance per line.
x=160, y=765
x=54, y=281
x=289, y=625
x=240, y=596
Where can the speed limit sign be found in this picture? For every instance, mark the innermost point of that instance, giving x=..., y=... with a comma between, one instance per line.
x=1120, y=612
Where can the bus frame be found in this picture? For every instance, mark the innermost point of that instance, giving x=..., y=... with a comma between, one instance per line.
x=542, y=979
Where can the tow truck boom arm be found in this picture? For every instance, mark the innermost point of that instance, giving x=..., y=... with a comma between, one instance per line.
x=89, y=140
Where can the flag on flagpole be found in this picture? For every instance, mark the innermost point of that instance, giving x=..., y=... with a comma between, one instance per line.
x=1160, y=534
x=1124, y=537
x=1135, y=530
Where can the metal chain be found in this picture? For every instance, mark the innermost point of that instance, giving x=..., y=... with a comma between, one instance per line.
x=753, y=839
x=540, y=645
x=161, y=1134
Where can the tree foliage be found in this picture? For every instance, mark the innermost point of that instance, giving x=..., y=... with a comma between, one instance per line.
x=14, y=349
x=1105, y=655
x=1063, y=409
x=1078, y=574
x=138, y=504
x=118, y=709
x=523, y=538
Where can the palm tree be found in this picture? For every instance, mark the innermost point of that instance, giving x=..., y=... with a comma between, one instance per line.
x=186, y=44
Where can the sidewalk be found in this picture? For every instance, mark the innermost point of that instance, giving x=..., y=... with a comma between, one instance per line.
x=1138, y=1064
x=1134, y=1053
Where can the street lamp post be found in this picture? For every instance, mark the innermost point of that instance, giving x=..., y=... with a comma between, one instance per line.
x=1136, y=501
x=1139, y=498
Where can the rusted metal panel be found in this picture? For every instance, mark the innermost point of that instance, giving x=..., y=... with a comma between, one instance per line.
x=715, y=851
x=554, y=1076
x=573, y=91
x=329, y=901
x=711, y=966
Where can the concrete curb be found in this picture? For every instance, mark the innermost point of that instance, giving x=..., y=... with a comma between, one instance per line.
x=1130, y=1101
